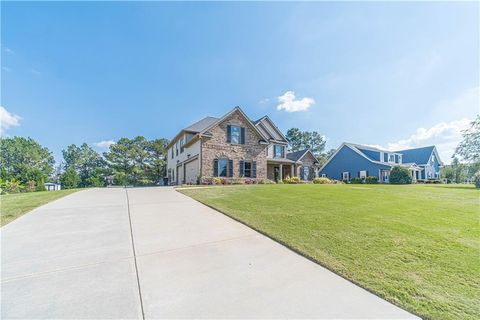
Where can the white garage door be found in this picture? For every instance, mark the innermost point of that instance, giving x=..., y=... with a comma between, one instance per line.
x=191, y=172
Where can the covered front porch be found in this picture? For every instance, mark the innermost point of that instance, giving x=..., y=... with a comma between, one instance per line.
x=278, y=169
x=415, y=171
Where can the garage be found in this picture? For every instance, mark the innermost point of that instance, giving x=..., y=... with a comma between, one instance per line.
x=191, y=172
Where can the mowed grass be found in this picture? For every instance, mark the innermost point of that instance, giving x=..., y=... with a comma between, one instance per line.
x=417, y=246
x=15, y=205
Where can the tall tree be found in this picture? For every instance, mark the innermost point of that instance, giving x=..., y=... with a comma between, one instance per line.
x=469, y=147
x=120, y=160
x=86, y=162
x=157, y=150
x=299, y=140
x=25, y=160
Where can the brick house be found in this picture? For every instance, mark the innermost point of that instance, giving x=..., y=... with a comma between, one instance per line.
x=234, y=146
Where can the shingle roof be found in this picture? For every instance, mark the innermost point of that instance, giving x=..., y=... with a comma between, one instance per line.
x=295, y=156
x=201, y=125
x=418, y=155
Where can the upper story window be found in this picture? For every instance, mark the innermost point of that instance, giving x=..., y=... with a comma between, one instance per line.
x=399, y=158
x=182, y=142
x=176, y=148
x=278, y=151
x=235, y=134
x=172, y=152
x=391, y=157
x=432, y=160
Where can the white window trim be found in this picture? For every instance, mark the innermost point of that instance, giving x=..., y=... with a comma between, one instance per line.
x=324, y=175
x=365, y=174
x=348, y=175
x=389, y=155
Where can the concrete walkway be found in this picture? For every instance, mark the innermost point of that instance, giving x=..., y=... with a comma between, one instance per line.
x=76, y=258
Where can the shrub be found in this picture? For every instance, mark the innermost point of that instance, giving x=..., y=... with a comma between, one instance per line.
x=322, y=181
x=356, y=180
x=30, y=186
x=371, y=180
x=217, y=180
x=291, y=180
x=476, y=179
x=265, y=181
x=238, y=181
x=400, y=175
x=251, y=181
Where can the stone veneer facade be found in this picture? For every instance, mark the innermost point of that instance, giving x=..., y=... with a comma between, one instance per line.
x=217, y=147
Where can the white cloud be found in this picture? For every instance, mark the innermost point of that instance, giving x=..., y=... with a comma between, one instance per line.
x=288, y=103
x=264, y=100
x=444, y=135
x=104, y=144
x=8, y=120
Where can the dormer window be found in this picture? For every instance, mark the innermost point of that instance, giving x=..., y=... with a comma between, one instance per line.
x=391, y=157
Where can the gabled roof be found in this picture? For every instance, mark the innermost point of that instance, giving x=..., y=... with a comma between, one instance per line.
x=201, y=125
x=419, y=155
x=271, y=124
x=298, y=155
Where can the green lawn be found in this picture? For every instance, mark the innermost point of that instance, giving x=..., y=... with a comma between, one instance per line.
x=15, y=205
x=417, y=246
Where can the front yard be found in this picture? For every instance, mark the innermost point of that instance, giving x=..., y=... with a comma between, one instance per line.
x=417, y=246
x=15, y=205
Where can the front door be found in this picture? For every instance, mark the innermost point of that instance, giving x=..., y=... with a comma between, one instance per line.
x=385, y=176
x=276, y=173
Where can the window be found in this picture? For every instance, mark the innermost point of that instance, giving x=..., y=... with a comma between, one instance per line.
x=399, y=158
x=278, y=151
x=181, y=146
x=222, y=167
x=176, y=148
x=391, y=157
x=248, y=169
x=324, y=175
x=346, y=176
x=235, y=135
x=172, y=152
x=362, y=174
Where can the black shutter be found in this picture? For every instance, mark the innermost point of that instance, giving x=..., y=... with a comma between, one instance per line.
x=230, y=168
x=215, y=167
x=229, y=134
x=242, y=172
x=358, y=174
x=367, y=173
x=242, y=135
x=254, y=169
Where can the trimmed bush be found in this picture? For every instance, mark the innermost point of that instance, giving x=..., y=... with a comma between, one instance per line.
x=291, y=180
x=356, y=180
x=322, y=181
x=217, y=180
x=476, y=179
x=371, y=180
x=400, y=175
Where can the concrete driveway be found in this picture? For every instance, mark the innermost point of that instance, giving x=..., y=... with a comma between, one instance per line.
x=154, y=253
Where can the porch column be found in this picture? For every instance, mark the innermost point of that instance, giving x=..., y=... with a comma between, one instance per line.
x=281, y=172
x=291, y=171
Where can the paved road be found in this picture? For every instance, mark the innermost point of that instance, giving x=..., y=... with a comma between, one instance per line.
x=76, y=258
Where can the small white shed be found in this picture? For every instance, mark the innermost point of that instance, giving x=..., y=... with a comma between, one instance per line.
x=51, y=186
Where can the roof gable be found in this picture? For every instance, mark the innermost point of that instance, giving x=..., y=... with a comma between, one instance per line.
x=418, y=155
x=298, y=155
x=265, y=124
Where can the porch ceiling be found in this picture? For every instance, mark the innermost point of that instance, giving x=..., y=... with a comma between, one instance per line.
x=280, y=161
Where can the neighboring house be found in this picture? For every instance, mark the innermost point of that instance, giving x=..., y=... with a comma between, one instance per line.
x=354, y=160
x=51, y=186
x=234, y=146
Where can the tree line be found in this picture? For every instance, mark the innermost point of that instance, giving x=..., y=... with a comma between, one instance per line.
x=25, y=165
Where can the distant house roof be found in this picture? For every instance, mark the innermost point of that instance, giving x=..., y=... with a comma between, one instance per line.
x=418, y=155
x=201, y=125
x=297, y=155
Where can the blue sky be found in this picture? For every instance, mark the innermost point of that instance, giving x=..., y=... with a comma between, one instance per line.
x=389, y=74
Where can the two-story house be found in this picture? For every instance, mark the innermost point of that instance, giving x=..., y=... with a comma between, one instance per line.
x=354, y=160
x=233, y=146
